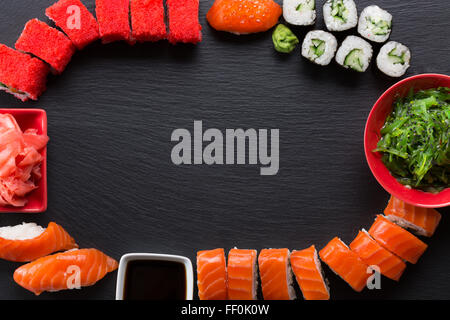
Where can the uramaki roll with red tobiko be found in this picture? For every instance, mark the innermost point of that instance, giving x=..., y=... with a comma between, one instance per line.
x=21, y=75
x=113, y=20
x=46, y=43
x=183, y=21
x=75, y=20
x=147, y=20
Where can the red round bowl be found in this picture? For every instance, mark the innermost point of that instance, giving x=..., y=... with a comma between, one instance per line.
x=375, y=121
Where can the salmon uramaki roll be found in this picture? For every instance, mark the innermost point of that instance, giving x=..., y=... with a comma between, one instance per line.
x=397, y=240
x=212, y=275
x=276, y=274
x=113, y=20
x=75, y=20
x=28, y=241
x=373, y=254
x=183, y=21
x=308, y=272
x=422, y=221
x=21, y=75
x=242, y=275
x=345, y=263
x=72, y=269
x=147, y=20
x=47, y=43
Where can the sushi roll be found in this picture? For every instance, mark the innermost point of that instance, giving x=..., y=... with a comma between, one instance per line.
x=319, y=47
x=345, y=263
x=47, y=43
x=397, y=240
x=21, y=75
x=183, y=21
x=393, y=59
x=276, y=274
x=422, y=221
x=113, y=20
x=375, y=24
x=309, y=274
x=82, y=31
x=340, y=15
x=212, y=275
x=147, y=20
x=354, y=53
x=62, y=270
x=28, y=241
x=242, y=274
x=299, y=12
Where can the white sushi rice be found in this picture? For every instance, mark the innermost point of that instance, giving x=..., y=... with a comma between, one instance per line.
x=322, y=273
x=319, y=39
x=394, y=59
x=299, y=12
x=340, y=15
x=290, y=278
x=375, y=24
x=22, y=231
x=19, y=95
x=354, y=53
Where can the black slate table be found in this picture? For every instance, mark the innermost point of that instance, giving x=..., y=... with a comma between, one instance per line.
x=113, y=186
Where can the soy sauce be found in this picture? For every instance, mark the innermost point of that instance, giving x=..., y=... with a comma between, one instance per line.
x=155, y=280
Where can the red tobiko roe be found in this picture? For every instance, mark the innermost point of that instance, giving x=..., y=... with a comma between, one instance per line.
x=183, y=21
x=113, y=20
x=147, y=20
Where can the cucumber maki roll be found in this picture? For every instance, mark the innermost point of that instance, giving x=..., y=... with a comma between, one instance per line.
x=375, y=24
x=354, y=53
x=319, y=47
x=394, y=59
x=299, y=12
x=340, y=15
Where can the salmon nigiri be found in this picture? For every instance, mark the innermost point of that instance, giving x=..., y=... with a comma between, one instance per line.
x=373, y=254
x=397, y=240
x=422, y=221
x=242, y=275
x=276, y=274
x=345, y=263
x=243, y=16
x=28, y=241
x=308, y=272
x=72, y=269
x=212, y=275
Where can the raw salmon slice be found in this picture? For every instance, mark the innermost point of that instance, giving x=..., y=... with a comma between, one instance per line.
x=346, y=264
x=373, y=254
x=212, y=275
x=422, y=221
x=243, y=16
x=276, y=274
x=397, y=240
x=308, y=272
x=67, y=270
x=53, y=239
x=242, y=274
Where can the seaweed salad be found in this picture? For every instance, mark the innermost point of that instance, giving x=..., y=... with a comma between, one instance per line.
x=415, y=138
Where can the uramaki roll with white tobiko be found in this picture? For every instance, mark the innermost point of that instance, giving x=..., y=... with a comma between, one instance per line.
x=394, y=59
x=340, y=15
x=299, y=12
x=319, y=47
x=354, y=53
x=375, y=24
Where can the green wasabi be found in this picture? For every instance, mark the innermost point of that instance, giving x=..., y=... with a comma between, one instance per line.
x=415, y=140
x=284, y=40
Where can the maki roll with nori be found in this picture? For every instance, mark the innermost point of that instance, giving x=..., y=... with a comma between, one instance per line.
x=394, y=59
x=319, y=47
x=340, y=15
x=299, y=12
x=46, y=43
x=75, y=20
x=354, y=53
x=21, y=75
x=375, y=24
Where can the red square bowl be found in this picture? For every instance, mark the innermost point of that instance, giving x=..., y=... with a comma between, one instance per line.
x=32, y=119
